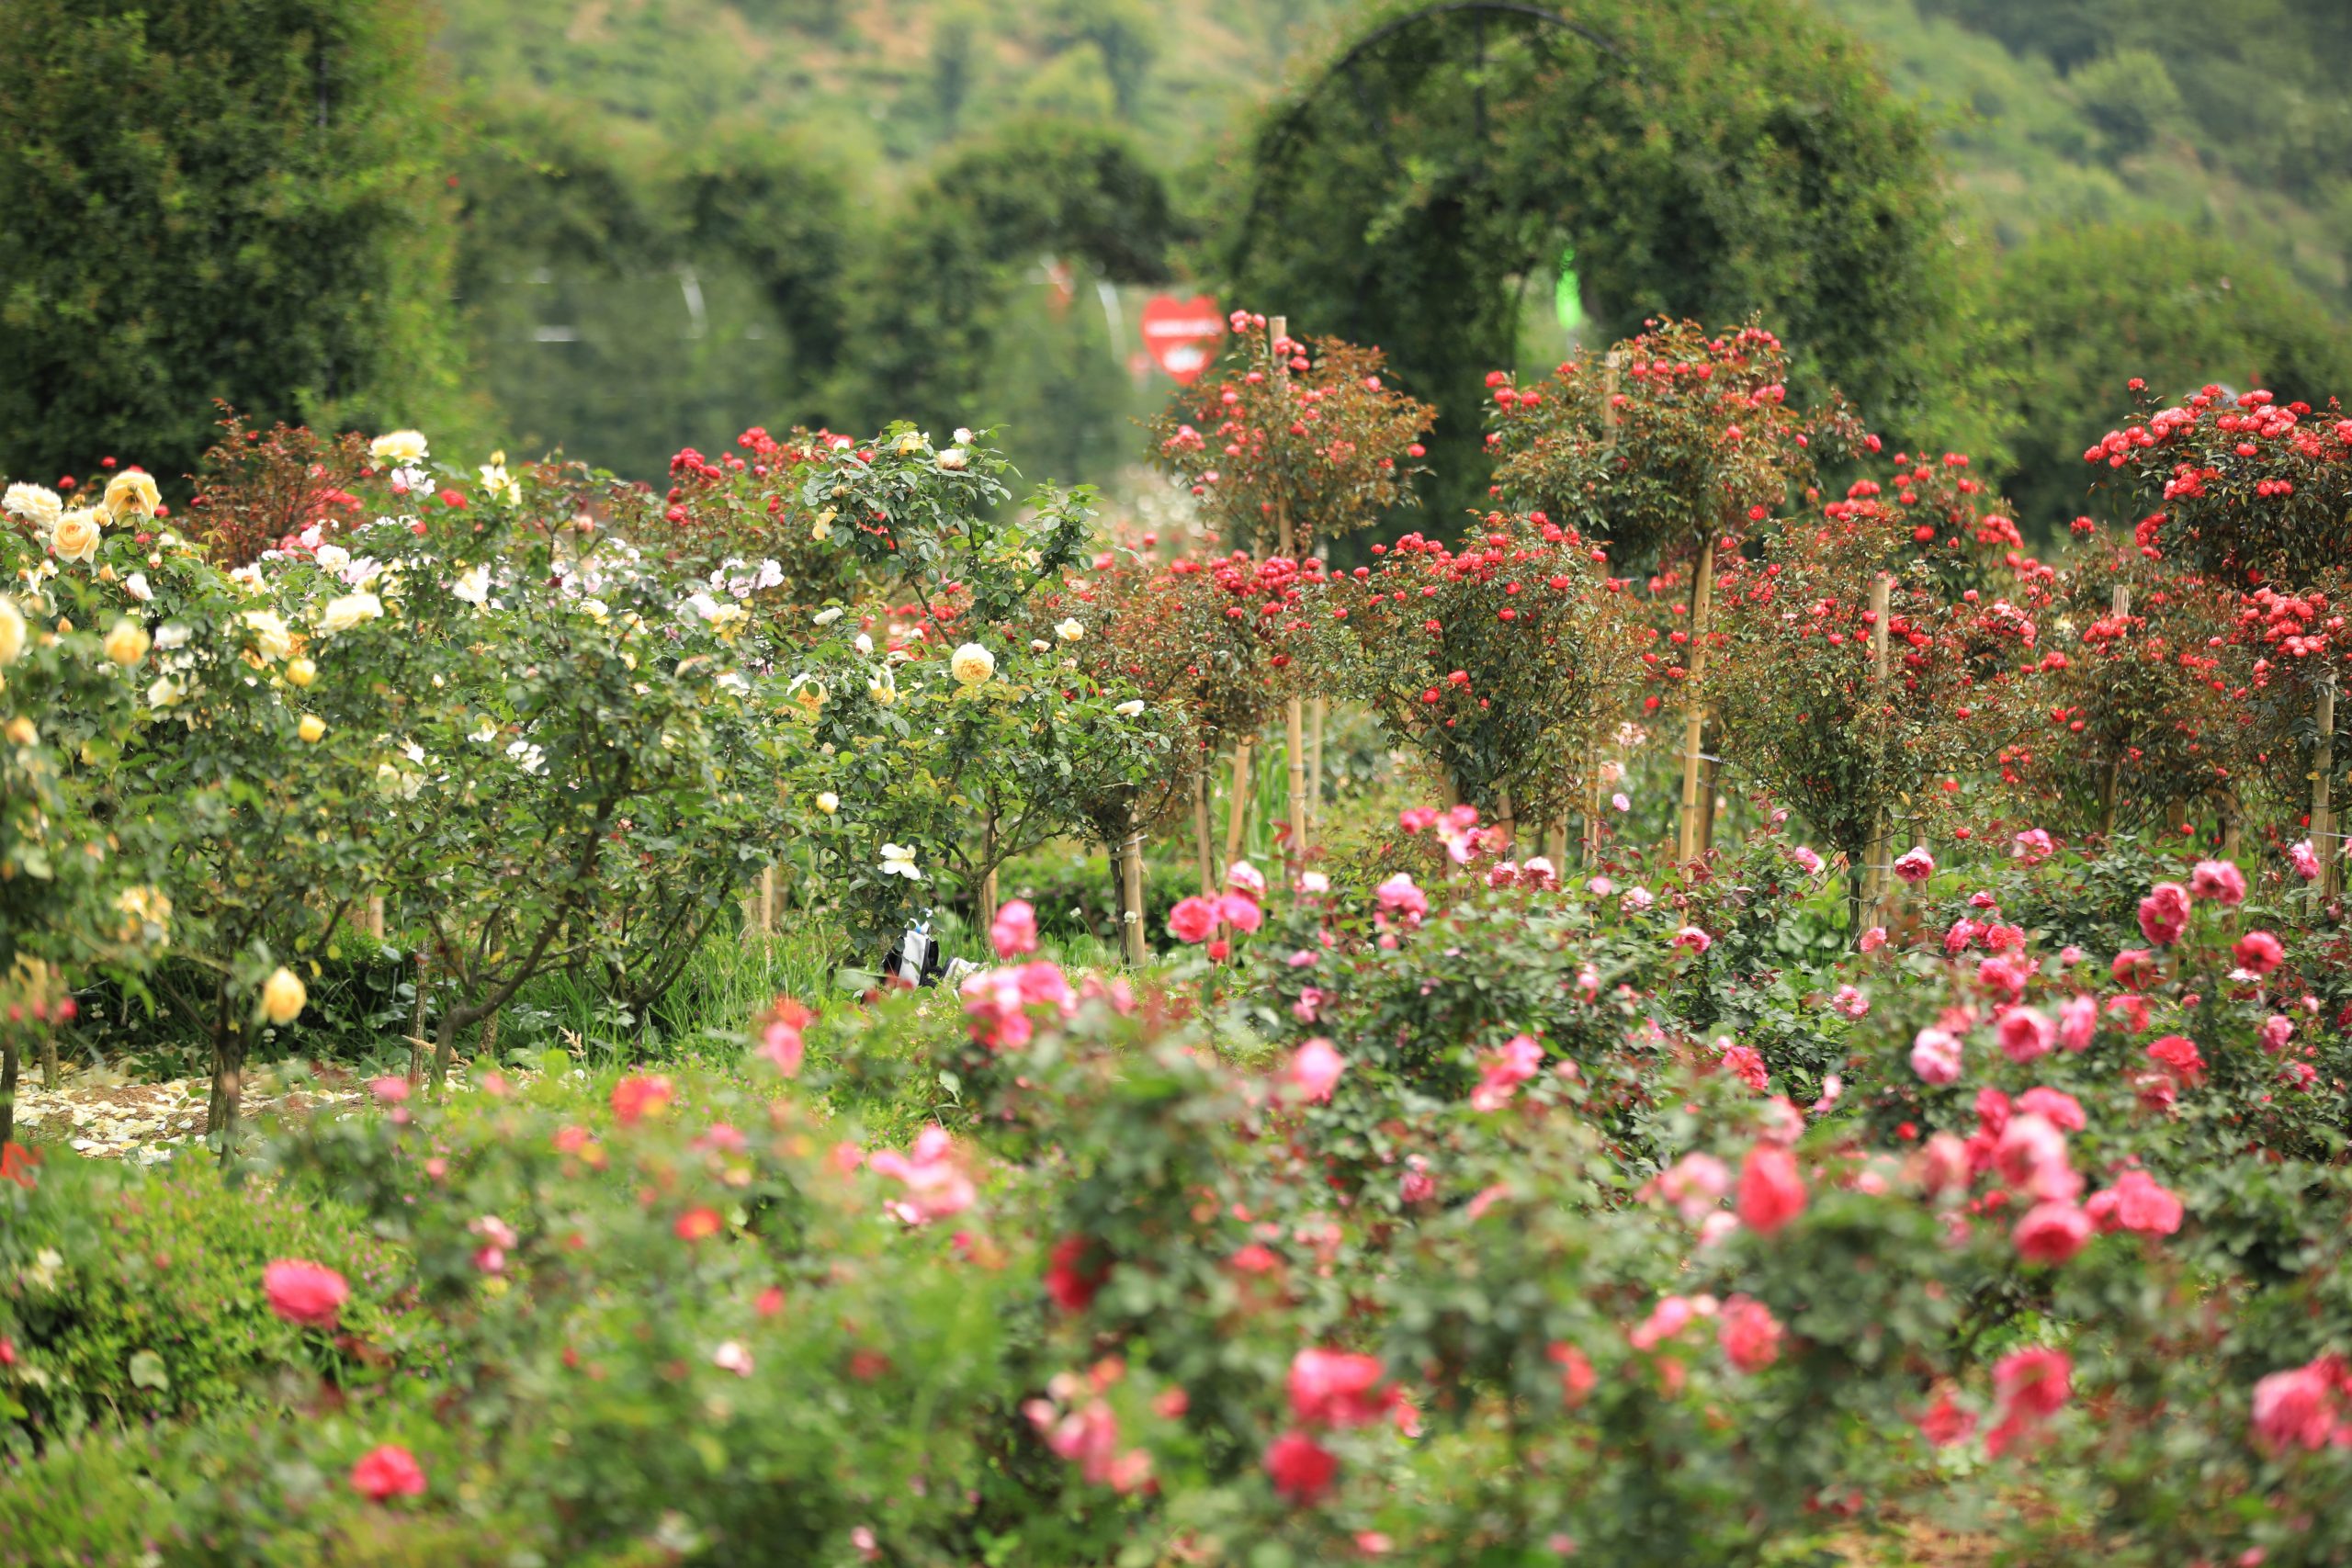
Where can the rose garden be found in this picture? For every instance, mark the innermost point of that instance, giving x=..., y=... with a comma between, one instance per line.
x=1736, y=998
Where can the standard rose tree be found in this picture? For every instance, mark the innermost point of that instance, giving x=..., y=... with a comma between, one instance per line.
x=1666, y=451
x=1291, y=444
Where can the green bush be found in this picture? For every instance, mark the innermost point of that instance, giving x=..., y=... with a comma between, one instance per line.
x=136, y=1293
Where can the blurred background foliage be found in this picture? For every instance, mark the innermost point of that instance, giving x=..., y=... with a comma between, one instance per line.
x=627, y=226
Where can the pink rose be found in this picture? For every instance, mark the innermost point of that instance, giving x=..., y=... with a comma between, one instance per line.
x=2305, y=862
x=2179, y=1056
x=2052, y=1233
x=2136, y=1203
x=1916, y=864
x=1693, y=938
x=1872, y=940
x=2219, y=880
x=1193, y=919
x=2026, y=1033
x=2259, y=951
x=1240, y=911
x=387, y=1470
x=1302, y=1469
x=1014, y=930
x=1936, y=1056
x=1245, y=879
x=1315, y=1068
x=1338, y=1388
x=1748, y=1333
x=1400, y=897
x=304, y=1292
x=2033, y=846
x=2058, y=1108
x=1771, y=1193
x=2077, y=1022
x=2163, y=913
x=2294, y=1409
x=1504, y=1070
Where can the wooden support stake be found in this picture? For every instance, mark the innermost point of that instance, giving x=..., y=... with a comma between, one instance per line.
x=1243, y=788
x=1319, y=712
x=2324, y=843
x=375, y=916
x=1286, y=543
x=2110, y=783
x=1201, y=839
x=1876, y=856
x=1694, y=724
x=1131, y=883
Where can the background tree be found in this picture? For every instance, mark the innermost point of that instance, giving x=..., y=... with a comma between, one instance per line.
x=2174, y=307
x=237, y=201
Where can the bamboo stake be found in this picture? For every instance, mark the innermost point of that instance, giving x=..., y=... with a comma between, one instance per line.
x=987, y=905
x=375, y=916
x=2324, y=841
x=1694, y=724
x=2111, y=785
x=1201, y=839
x=1875, y=858
x=1293, y=707
x=1318, y=712
x=1242, y=790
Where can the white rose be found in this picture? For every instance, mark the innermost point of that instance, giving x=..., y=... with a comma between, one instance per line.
x=37, y=504
x=827, y=617
x=972, y=664
x=342, y=615
x=1069, y=630
x=963, y=436
x=1129, y=708
x=136, y=586
x=472, y=585
x=398, y=447
x=954, y=459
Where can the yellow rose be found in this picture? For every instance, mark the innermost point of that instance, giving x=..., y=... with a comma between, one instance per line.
x=828, y=802
x=824, y=528
x=311, y=727
x=144, y=906
x=398, y=447
x=342, y=615
x=274, y=638
x=133, y=491
x=128, y=643
x=21, y=732
x=283, y=998
x=76, y=537
x=301, y=671
x=972, y=664
x=12, y=632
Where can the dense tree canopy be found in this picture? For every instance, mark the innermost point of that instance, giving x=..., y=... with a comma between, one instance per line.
x=214, y=198
x=1702, y=160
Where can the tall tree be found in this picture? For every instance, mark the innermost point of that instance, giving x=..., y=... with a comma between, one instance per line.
x=215, y=199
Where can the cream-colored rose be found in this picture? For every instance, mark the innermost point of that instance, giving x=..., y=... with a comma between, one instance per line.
x=727, y=621
x=136, y=586
x=77, y=533
x=1132, y=708
x=12, y=632
x=301, y=671
x=128, y=643
x=954, y=459
x=21, y=731
x=342, y=615
x=398, y=447
x=133, y=491
x=472, y=585
x=1069, y=630
x=283, y=998
x=497, y=484
x=271, y=634
x=147, y=909
x=823, y=528
x=828, y=802
x=37, y=504
x=164, y=693
x=972, y=664
x=312, y=727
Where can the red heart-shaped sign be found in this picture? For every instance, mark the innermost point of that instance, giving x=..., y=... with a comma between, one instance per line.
x=1181, y=335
